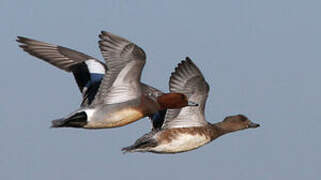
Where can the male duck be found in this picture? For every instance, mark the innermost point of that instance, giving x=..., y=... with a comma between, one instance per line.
x=112, y=93
x=186, y=129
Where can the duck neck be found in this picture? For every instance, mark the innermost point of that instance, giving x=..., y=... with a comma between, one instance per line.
x=220, y=129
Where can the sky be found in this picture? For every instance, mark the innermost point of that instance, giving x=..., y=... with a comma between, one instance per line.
x=260, y=58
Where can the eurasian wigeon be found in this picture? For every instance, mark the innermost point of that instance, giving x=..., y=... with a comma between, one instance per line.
x=185, y=129
x=113, y=95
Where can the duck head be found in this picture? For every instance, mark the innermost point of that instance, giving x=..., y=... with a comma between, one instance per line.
x=174, y=101
x=236, y=123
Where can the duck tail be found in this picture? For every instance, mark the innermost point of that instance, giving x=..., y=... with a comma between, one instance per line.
x=57, y=123
x=77, y=120
x=143, y=144
x=128, y=149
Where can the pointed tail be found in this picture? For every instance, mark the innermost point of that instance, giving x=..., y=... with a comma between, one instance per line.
x=77, y=120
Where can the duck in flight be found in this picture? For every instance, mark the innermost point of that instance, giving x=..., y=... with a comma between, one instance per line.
x=112, y=93
x=185, y=129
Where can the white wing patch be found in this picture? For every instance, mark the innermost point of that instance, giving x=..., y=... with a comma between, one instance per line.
x=95, y=67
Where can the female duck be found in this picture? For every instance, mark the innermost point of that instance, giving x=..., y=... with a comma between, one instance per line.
x=112, y=93
x=185, y=129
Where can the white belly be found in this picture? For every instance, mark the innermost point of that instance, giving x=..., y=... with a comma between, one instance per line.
x=184, y=142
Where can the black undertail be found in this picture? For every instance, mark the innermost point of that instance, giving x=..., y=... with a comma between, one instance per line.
x=77, y=120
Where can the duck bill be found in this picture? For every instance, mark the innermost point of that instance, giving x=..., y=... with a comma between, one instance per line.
x=191, y=103
x=254, y=125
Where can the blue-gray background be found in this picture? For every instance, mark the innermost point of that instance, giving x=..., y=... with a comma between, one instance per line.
x=261, y=58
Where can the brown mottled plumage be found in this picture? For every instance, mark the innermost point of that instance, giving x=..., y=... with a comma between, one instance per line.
x=186, y=129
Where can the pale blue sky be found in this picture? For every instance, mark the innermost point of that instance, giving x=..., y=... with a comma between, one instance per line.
x=261, y=58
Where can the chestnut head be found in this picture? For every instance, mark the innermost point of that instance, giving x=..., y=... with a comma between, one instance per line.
x=174, y=101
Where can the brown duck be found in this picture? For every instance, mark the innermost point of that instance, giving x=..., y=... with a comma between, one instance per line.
x=185, y=129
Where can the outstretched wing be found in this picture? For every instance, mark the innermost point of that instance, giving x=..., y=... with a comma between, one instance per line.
x=86, y=69
x=125, y=62
x=189, y=80
x=151, y=91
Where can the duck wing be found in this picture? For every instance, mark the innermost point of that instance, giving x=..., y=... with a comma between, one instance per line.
x=187, y=79
x=151, y=91
x=87, y=70
x=125, y=61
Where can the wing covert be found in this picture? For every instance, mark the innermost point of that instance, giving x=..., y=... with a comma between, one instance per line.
x=125, y=61
x=187, y=79
x=87, y=70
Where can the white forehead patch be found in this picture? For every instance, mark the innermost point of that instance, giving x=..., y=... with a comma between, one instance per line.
x=95, y=67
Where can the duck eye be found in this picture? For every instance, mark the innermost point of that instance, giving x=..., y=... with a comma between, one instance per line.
x=183, y=96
